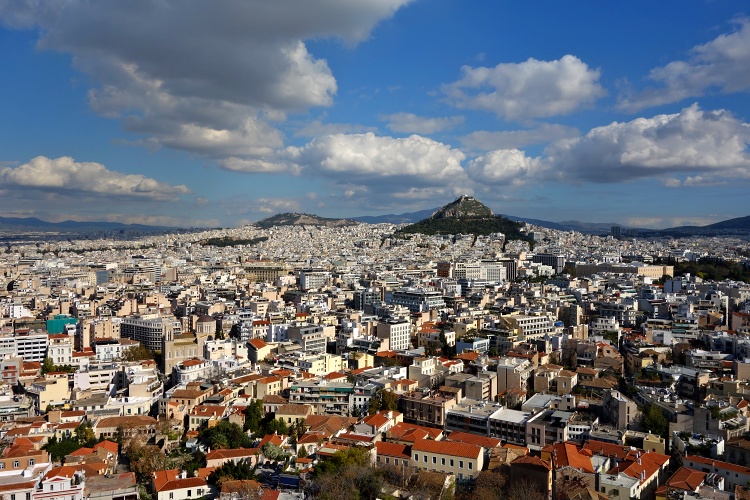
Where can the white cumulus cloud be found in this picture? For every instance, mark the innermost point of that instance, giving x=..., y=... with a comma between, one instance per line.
x=722, y=64
x=506, y=166
x=65, y=175
x=531, y=89
x=389, y=167
x=369, y=155
x=693, y=141
x=202, y=77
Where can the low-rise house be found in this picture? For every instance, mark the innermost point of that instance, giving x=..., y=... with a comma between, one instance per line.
x=173, y=485
x=683, y=480
x=136, y=425
x=291, y=413
x=392, y=454
x=217, y=458
x=111, y=487
x=206, y=416
x=734, y=475
x=378, y=423
x=464, y=460
x=407, y=433
x=61, y=483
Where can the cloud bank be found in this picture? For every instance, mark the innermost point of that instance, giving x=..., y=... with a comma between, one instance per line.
x=723, y=64
x=65, y=175
x=208, y=78
x=531, y=89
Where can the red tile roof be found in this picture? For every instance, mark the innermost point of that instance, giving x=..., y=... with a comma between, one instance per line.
x=531, y=460
x=466, y=437
x=566, y=454
x=686, y=479
x=448, y=448
x=232, y=453
x=166, y=480
x=392, y=449
x=257, y=343
x=411, y=432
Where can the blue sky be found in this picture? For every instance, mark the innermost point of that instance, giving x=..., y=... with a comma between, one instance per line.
x=220, y=113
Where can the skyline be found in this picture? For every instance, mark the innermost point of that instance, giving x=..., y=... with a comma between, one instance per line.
x=174, y=113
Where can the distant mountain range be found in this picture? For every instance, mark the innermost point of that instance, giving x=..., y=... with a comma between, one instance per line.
x=35, y=224
x=737, y=226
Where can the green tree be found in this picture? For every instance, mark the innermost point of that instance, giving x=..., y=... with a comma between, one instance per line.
x=253, y=416
x=137, y=353
x=58, y=450
x=231, y=471
x=347, y=475
x=383, y=400
x=276, y=425
x=653, y=420
x=272, y=451
x=85, y=435
x=225, y=435
x=48, y=366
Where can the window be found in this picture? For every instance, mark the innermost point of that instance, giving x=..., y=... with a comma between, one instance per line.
x=471, y=465
x=434, y=460
x=442, y=461
x=460, y=464
x=2, y=465
x=425, y=459
x=31, y=461
x=451, y=462
x=387, y=460
x=190, y=493
x=416, y=457
x=16, y=464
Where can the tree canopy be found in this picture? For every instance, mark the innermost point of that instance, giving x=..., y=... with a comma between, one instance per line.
x=383, y=400
x=225, y=435
x=654, y=420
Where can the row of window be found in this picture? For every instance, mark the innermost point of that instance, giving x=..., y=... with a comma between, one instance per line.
x=17, y=464
x=27, y=497
x=189, y=493
x=443, y=461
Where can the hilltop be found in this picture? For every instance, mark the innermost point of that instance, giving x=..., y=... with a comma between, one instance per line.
x=296, y=219
x=463, y=207
x=467, y=215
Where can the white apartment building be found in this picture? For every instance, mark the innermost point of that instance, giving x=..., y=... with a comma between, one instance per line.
x=531, y=327
x=513, y=372
x=149, y=331
x=416, y=299
x=60, y=349
x=31, y=346
x=398, y=334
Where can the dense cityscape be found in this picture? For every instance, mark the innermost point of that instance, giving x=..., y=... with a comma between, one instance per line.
x=243, y=254
x=273, y=363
